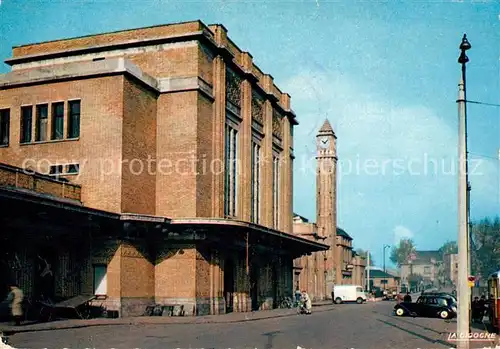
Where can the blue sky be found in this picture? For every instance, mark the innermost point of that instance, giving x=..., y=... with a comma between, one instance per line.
x=385, y=75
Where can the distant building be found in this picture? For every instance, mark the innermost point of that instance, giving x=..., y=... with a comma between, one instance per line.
x=392, y=271
x=450, y=267
x=378, y=278
x=318, y=272
x=310, y=271
x=345, y=257
x=358, y=270
x=425, y=267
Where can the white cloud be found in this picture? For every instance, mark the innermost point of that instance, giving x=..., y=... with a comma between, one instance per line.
x=373, y=126
x=401, y=232
x=365, y=122
x=485, y=185
x=370, y=127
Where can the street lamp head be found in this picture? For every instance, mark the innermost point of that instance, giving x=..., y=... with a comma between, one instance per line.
x=465, y=45
x=463, y=58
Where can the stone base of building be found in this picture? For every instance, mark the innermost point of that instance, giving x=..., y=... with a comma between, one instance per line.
x=134, y=262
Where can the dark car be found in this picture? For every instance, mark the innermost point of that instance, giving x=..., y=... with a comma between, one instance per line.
x=441, y=306
x=445, y=294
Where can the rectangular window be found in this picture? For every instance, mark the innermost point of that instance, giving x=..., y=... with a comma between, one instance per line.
x=100, y=280
x=427, y=270
x=227, y=171
x=231, y=172
x=58, y=120
x=73, y=169
x=74, y=119
x=276, y=191
x=56, y=170
x=255, y=209
x=26, y=123
x=41, y=122
x=4, y=126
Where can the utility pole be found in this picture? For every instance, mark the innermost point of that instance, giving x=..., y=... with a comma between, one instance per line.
x=385, y=273
x=463, y=320
x=368, y=271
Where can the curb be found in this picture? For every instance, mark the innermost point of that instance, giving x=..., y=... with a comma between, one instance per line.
x=188, y=321
x=375, y=299
x=323, y=305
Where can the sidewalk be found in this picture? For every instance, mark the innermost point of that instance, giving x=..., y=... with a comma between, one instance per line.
x=7, y=329
x=322, y=303
x=450, y=326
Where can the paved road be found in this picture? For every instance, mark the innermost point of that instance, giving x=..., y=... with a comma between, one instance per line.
x=369, y=326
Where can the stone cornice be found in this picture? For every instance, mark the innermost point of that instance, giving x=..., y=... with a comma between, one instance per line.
x=106, y=67
x=114, y=46
x=204, y=36
x=74, y=71
x=191, y=83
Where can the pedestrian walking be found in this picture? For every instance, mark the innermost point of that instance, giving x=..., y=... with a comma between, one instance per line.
x=399, y=298
x=475, y=310
x=15, y=299
x=407, y=298
x=307, y=302
x=482, y=306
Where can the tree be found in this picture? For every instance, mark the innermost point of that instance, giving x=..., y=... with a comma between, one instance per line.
x=449, y=247
x=485, y=247
x=364, y=254
x=401, y=252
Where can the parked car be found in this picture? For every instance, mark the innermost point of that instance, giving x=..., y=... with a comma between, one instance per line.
x=441, y=306
x=446, y=294
x=390, y=294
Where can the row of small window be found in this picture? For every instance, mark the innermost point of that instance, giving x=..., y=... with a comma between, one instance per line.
x=57, y=170
x=42, y=122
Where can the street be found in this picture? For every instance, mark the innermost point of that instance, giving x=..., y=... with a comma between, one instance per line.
x=369, y=326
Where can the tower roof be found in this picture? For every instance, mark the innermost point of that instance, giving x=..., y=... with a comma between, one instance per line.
x=326, y=127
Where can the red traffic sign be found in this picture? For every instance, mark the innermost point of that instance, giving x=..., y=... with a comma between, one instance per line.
x=472, y=278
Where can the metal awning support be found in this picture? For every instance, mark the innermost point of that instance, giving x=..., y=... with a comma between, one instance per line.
x=213, y=229
x=295, y=244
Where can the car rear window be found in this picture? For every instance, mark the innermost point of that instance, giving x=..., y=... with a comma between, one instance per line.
x=443, y=302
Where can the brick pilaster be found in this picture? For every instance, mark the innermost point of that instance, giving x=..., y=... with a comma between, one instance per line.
x=245, y=151
x=267, y=167
x=218, y=135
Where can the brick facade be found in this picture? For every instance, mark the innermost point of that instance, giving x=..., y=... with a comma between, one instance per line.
x=153, y=108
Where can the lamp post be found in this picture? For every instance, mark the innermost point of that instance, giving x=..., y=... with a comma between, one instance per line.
x=385, y=279
x=463, y=206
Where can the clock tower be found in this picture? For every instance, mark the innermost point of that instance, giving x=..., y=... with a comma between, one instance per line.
x=326, y=201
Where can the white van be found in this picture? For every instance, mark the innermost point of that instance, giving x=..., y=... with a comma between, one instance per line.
x=348, y=293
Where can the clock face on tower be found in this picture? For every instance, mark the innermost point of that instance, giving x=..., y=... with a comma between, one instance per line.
x=324, y=142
